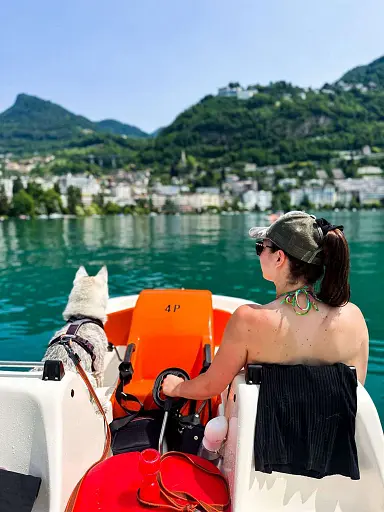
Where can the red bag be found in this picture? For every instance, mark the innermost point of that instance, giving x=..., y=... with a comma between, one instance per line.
x=187, y=483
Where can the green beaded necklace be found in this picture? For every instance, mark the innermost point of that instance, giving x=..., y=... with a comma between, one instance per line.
x=291, y=298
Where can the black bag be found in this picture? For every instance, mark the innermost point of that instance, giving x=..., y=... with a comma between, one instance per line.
x=137, y=431
x=135, y=435
x=185, y=433
x=18, y=492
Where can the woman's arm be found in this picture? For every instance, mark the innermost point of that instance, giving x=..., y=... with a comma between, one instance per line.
x=230, y=358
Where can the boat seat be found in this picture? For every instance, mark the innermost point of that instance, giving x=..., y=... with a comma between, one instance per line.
x=280, y=492
x=170, y=328
x=48, y=429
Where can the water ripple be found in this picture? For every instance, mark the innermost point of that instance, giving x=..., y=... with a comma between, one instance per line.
x=38, y=261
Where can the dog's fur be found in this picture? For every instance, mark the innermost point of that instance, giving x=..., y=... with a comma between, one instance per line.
x=88, y=299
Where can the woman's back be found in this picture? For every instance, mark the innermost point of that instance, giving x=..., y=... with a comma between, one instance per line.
x=329, y=335
x=299, y=254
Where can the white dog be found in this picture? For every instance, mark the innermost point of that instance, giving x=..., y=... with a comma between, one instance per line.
x=87, y=300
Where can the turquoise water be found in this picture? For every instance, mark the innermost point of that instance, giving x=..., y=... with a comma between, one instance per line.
x=38, y=260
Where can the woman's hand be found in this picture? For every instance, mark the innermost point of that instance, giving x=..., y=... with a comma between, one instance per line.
x=171, y=384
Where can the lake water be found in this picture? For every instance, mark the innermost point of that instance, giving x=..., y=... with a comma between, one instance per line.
x=38, y=260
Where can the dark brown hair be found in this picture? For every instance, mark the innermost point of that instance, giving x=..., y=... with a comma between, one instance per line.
x=334, y=286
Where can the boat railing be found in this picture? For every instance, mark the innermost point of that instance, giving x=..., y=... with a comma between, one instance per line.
x=21, y=364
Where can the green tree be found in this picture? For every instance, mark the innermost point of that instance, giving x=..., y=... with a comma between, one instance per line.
x=52, y=202
x=191, y=162
x=79, y=211
x=74, y=199
x=23, y=204
x=112, y=208
x=17, y=186
x=93, y=209
x=235, y=204
x=170, y=207
x=355, y=203
x=128, y=209
x=281, y=201
x=99, y=200
x=4, y=203
x=36, y=191
x=306, y=203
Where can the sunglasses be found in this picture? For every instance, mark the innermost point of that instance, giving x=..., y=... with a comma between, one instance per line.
x=260, y=247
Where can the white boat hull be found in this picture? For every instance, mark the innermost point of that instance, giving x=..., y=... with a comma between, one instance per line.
x=50, y=429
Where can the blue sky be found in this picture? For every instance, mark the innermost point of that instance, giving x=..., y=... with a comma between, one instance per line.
x=144, y=61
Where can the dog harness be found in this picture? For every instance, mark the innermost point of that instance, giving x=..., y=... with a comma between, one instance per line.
x=71, y=336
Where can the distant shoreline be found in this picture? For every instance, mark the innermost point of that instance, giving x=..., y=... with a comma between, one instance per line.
x=266, y=213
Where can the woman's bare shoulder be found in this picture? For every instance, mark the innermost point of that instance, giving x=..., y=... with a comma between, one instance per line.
x=251, y=314
x=246, y=311
x=351, y=319
x=352, y=312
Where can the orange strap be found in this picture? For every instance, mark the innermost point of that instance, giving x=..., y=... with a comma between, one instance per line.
x=191, y=503
x=72, y=499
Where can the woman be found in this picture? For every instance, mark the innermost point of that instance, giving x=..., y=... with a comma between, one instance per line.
x=300, y=325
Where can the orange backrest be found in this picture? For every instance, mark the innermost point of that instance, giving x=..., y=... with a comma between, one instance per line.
x=169, y=329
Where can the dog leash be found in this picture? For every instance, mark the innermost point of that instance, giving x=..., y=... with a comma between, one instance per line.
x=107, y=445
x=191, y=504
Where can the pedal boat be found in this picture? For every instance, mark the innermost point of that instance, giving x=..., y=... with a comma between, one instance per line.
x=49, y=428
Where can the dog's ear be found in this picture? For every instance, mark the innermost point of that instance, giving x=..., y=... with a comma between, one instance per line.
x=103, y=274
x=80, y=273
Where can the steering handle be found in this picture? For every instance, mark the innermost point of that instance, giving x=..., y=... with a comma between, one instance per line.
x=177, y=403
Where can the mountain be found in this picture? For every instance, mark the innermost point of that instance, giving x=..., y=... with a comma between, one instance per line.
x=117, y=128
x=157, y=132
x=373, y=72
x=281, y=123
x=33, y=124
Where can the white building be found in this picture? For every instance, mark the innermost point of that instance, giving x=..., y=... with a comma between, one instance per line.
x=264, y=199
x=88, y=185
x=373, y=195
x=229, y=91
x=158, y=201
x=338, y=174
x=369, y=170
x=185, y=201
x=7, y=183
x=46, y=184
x=249, y=167
x=207, y=196
x=286, y=183
x=249, y=199
x=314, y=182
x=245, y=94
x=236, y=92
x=368, y=190
x=121, y=194
x=320, y=196
x=321, y=174
x=239, y=187
x=198, y=201
x=166, y=190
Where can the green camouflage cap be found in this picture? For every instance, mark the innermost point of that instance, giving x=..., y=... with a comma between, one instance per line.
x=296, y=233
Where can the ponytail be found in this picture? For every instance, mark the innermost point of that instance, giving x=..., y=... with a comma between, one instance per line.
x=334, y=288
